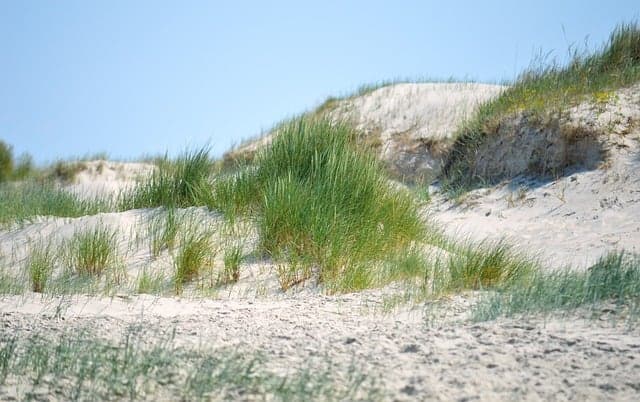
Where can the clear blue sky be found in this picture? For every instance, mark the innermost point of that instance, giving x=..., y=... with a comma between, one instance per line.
x=144, y=77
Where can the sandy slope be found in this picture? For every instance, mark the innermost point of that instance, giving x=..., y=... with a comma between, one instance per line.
x=569, y=221
x=572, y=219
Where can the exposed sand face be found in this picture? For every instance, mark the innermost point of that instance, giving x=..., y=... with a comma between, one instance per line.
x=427, y=352
x=414, y=122
x=409, y=124
x=584, y=135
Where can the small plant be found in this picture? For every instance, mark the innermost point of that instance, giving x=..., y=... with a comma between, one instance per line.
x=292, y=273
x=516, y=198
x=90, y=252
x=163, y=230
x=181, y=183
x=405, y=266
x=232, y=260
x=149, y=283
x=195, y=253
x=487, y=266
x=9, y=284
x=39, y=266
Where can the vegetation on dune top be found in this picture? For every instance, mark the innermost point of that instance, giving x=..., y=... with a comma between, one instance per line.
x=546, y=90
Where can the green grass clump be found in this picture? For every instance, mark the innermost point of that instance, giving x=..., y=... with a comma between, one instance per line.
x=90, y=252
x=150, y=282
x=614, y=278
x=21, y=201
x=179, y=183
x=195, y=253
x=232, y=259
x=40, y=265
x=320, y=199
x=547, y=90
x=486, y=265
x=163, y=231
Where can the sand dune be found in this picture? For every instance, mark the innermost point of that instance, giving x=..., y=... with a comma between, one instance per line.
x=430, y=351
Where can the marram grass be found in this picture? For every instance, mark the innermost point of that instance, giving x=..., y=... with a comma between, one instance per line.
x=178, y=183
x=321, y=200
x=614, y=278
x=20, y=202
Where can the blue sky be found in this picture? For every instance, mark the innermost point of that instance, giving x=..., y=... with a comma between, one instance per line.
x=143, y=77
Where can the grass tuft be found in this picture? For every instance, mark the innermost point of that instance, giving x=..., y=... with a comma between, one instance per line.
x=320, y=199
x=150, y=283
x=91, y=252
x=178, y=183
x=163, y=231
x=40, y=265
x=195, y=253
x=487, y=265
x=233, y=257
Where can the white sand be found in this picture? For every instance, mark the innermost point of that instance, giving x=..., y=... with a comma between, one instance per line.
x=106, y=178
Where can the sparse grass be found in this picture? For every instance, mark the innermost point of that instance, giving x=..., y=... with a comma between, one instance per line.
x=487, y=265
x=90, y=252
x=408, y=265
x=9, y=284
x=232, y=259
x=150, y=282
x=547, y=90
x=178, y=183
x=143, y=365
x=614, y=278
x=21, y=201
x=39, y=266
x=68, y=282
x=195, y=253
x=321, y=200
x=163, y=230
